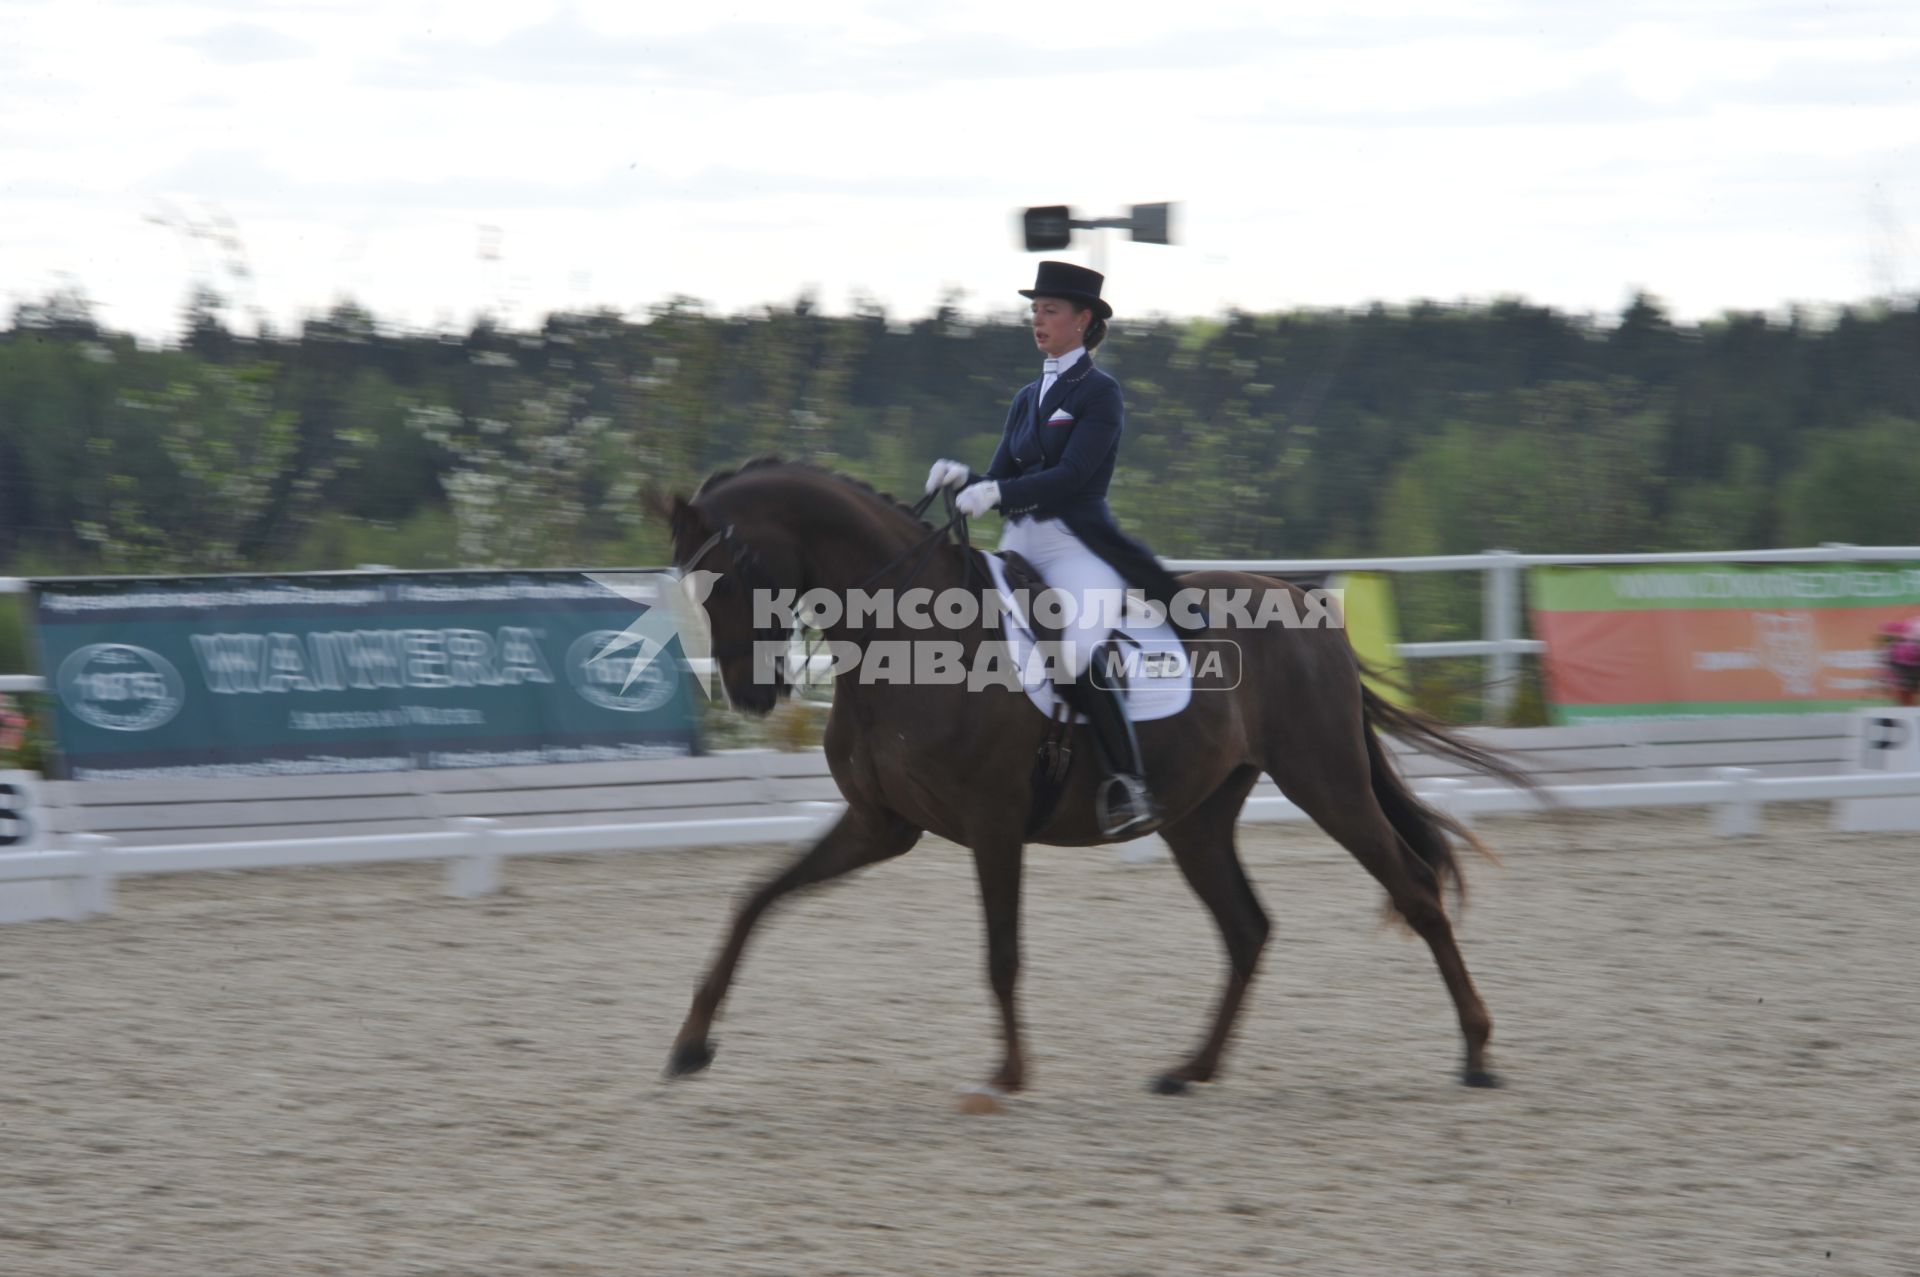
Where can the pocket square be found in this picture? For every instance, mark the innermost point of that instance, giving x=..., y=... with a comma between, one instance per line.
x=1060, y=417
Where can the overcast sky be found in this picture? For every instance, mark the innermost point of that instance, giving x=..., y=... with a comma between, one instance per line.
x=431, y=160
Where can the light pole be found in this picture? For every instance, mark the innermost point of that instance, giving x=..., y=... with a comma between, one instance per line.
x=1049, y=227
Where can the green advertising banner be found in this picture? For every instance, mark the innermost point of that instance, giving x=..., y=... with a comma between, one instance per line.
x=1694, y=640
x=242, y=676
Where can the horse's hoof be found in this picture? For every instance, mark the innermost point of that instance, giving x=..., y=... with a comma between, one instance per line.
x=1480, y=1078
x=689, y=1057
x=980, y=1101
x=1167, y=1084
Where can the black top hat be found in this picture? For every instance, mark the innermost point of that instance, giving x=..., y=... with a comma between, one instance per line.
x=1075, y=283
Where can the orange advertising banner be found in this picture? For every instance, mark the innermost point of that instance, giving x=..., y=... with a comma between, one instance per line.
x=1710, y=640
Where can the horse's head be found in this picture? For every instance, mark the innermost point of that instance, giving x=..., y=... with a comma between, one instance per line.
x=736, y=562
x=770, y=530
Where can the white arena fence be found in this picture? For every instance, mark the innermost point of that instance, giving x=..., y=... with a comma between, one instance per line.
x=473, y=820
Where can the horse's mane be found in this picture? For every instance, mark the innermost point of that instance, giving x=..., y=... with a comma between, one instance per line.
x=859, y=486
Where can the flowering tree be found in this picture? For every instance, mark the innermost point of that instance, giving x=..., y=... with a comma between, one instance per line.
x=537, y=479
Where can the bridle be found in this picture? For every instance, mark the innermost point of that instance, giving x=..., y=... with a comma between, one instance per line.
x=747, y=561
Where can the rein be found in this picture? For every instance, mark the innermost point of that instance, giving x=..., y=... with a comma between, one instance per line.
x=956, y=523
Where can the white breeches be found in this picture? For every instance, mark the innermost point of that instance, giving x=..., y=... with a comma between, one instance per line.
x=1096, y=594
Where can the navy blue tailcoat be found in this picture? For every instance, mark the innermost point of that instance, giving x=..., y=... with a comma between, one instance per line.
x=1055, y=461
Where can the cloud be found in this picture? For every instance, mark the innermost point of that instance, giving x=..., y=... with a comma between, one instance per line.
x=222, y=176
x=760, y=59
x=562, y=50
x=1831, y=80
x=244, y=177
x=1599, y=99
x=241, y=43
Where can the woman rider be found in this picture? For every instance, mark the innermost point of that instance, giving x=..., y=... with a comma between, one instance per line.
x=1049, y=477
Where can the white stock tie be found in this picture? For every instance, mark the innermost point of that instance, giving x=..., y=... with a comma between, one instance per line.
x=1049, y=373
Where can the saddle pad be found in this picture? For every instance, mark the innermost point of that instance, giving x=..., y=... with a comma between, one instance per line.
x=1160, y=679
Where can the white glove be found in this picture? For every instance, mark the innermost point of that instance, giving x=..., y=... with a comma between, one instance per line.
x=946, y=474
x=978, y=499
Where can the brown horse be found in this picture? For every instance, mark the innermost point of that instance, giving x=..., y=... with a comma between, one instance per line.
x=960, y=763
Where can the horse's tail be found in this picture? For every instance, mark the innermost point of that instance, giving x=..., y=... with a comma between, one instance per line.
x=1428, y=831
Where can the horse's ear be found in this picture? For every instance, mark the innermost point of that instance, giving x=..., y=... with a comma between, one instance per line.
x=685, y=519
x=672, y=509
x=655, y=501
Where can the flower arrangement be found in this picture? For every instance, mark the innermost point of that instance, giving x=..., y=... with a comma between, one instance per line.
x=1900, y=658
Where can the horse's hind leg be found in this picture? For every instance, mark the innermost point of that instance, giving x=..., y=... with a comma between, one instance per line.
x=997, y=863
x=1355, y=819
x=862, y=836
x=1202, y=843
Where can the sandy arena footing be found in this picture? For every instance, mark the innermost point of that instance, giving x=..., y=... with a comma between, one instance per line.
x=1709, y=1045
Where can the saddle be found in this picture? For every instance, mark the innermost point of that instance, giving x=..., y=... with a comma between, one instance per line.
x=1025, y=581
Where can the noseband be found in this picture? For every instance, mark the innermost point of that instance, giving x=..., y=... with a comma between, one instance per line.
x=747, y=562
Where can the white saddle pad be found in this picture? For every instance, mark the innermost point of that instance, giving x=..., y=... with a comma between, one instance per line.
x=1159, y=674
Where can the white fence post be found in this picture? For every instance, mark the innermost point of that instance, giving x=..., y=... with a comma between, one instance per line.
x=94, y=893
x=476, y=871
x=1500, y=625
x=1739, y=815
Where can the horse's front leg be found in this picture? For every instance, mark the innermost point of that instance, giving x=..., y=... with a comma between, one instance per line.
x=861, y=837
x=997, y=862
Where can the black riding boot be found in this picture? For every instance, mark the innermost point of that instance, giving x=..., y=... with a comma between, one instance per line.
x=1123, y=804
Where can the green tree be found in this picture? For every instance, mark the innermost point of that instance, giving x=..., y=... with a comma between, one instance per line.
x=1734, y=511
x=1857, y=486
x=187, y=477
x=1568, y=468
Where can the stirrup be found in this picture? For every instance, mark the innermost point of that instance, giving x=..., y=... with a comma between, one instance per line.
x=1136, y=813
